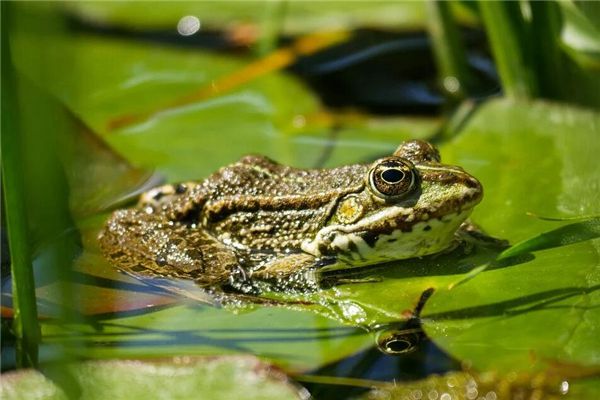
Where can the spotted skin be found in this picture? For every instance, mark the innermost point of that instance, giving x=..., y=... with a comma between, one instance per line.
x=257, y=221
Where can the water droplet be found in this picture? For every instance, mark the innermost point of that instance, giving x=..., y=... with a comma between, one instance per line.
x=564, y=387
x=188, y=25
x=451, y=84
x=299, y=121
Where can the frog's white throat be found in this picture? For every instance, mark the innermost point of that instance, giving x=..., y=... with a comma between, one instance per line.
x=347, y=244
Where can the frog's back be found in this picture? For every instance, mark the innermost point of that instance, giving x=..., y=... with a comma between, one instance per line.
x=258, y=176
x=259, y=204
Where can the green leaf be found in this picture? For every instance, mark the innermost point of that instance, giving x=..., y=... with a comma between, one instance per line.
x=292, y=339
x=562, y=236
x=528, y=311
x=175, y=378
x=181, y=142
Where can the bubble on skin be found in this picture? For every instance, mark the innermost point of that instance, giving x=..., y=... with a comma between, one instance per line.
x=564, y=387
x=188, y=25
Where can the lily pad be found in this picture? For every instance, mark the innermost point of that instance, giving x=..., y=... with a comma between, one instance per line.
x=543, y=307
x=113, y=79
x=294, y=340
x=175, y=378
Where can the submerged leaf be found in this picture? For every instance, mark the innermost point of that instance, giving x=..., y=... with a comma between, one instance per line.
x=176, y=378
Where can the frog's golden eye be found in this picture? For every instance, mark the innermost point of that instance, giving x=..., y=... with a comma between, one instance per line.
x=392, y=178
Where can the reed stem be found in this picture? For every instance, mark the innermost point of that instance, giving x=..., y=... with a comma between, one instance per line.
x=25, y=323
x=509, y=38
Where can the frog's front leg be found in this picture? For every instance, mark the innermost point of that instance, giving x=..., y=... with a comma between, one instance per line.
x=297, y=271
x=473, y=234
x=304, y=272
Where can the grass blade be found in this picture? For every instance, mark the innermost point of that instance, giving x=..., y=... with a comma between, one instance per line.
x=508, y=35
x=563, y=236
x=27, y=331
x=448, y=49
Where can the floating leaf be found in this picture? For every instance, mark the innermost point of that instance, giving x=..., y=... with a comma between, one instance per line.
x=530, y=310
x=178, y=378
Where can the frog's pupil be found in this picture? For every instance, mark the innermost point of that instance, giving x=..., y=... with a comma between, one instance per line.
x=392, y=175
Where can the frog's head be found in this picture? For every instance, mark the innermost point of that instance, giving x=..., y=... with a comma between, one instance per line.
x=411, y=205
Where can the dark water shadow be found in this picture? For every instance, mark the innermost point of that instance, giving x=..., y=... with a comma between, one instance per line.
x=402, y=352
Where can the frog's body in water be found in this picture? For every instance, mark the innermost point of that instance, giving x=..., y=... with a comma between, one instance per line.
x=257, y=222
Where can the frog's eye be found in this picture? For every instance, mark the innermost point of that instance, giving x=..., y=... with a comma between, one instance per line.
x=392, y=178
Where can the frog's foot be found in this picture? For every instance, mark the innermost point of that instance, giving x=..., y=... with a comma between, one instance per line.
x=303, y=273
x=293, y=272
x=471, y=234
x=335, y=281
x=240, y=282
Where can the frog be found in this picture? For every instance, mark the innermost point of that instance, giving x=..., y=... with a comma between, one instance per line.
x=257, y=225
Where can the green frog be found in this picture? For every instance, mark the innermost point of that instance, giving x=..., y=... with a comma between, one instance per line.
x=256, y=224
